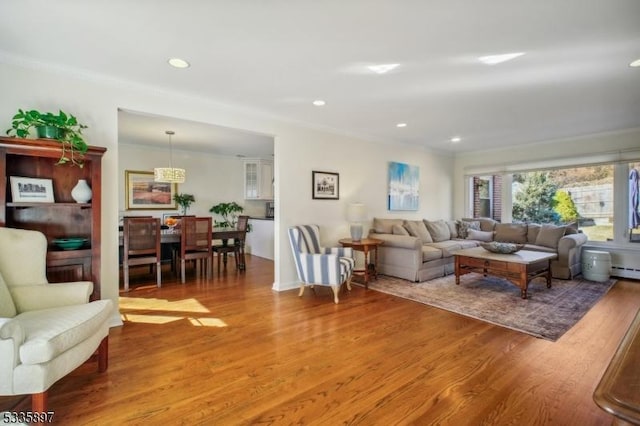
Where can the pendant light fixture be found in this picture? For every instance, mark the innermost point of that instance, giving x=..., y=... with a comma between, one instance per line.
x=169, y=174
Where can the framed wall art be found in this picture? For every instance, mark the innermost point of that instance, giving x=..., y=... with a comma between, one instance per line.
x=404, y=181
x=143, y=193
x=325, y=185
x=31, y=190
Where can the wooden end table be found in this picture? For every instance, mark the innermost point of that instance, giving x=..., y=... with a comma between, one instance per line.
x=365, y=245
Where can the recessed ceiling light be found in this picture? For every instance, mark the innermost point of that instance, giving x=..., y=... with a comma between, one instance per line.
x=383, y=68
x=456, y=139
x=498, y=59
x=319, y=102
x=635, y=63
x=401, y=125
x=178, y=63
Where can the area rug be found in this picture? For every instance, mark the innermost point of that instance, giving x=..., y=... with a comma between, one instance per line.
x=546, y=313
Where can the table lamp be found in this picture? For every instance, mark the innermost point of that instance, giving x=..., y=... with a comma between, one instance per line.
x=356, y=213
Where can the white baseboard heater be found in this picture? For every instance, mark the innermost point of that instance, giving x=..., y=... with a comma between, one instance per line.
x=623, y=272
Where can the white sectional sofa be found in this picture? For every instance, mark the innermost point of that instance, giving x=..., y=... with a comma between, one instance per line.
x=420, y=250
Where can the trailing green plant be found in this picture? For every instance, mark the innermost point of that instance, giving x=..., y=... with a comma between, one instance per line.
x=184, y=201
x=229, y=213
x=67, y=131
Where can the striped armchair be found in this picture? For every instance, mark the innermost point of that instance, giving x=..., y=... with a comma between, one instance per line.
x=326, y=266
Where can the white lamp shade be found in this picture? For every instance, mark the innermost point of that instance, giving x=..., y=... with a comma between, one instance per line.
x=356, y=212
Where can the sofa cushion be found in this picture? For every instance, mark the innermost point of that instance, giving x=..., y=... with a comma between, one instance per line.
x=418, y=229
x=480, y=235
x=453, y=228
x=50, y=332
x=384, y=226
x=447, y=247
x=439, y=230
x=571, y=228
x=7, y=308
x=465, y=225
x=550, y=235
x=431, y=253
x=534, y=247
x=486, y=223
x=511, y=233
x=399, y=230
x=532, y=232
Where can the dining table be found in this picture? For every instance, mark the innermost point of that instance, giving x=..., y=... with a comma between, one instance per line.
x=171, y=236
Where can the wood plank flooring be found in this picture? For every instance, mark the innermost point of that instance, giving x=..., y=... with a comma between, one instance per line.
x=231, y=351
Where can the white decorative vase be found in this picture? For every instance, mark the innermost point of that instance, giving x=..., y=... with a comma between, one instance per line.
x=81, y=193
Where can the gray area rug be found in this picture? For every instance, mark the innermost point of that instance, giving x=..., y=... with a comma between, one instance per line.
x=547, y=313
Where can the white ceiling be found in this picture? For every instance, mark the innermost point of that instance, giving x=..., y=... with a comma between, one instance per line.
x=277, y=56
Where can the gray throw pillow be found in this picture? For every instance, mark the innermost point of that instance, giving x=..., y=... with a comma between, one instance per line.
x=511, y=233
x=480, y=235
x=439, y=230
x=550, y=235
x=418, y=229
x=464, y=226
x=399, y=230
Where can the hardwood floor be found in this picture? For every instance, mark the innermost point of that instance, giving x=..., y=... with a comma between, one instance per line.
x=232, y=351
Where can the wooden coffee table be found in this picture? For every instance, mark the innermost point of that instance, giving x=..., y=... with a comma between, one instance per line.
x=519, y=268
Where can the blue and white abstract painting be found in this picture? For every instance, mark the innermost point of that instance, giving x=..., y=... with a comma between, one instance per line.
x=404, y=180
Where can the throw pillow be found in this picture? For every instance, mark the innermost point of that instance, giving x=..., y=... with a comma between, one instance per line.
x=439, y=230
x=453, y=228
x=464, y=226
x=532, y=232
x=480, y=235
x=511, y=233
x=550, y=235
x=418, y=229
x=7, y=308
x=384, y=226
x=502, y=248
x=399, y=230
x=572, y=228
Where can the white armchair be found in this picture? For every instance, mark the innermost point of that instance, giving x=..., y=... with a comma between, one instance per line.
x=46, y=330
x=316, y=265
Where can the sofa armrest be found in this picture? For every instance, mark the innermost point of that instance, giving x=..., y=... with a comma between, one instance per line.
x=569, y=249
x=44, y=296
x=400, y=241
x=340, y=251
x=11, y=338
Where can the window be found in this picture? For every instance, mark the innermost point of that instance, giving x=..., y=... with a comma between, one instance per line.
x=599, y=197
x=580, y=194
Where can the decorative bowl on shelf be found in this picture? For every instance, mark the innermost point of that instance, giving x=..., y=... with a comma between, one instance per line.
x=71, y=243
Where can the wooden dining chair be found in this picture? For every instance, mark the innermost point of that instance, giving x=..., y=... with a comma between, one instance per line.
x=195, y=244
x=141, y=246
x=237, y=248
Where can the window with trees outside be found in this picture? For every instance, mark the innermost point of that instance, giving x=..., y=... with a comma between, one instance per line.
x=584, y=195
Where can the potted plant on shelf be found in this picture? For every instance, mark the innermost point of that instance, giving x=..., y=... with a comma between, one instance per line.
x=62, y=127
x=184, y=201
x=229, y=213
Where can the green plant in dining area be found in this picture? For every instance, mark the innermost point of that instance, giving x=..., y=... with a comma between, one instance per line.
x=62, y=127
x=184, y=201
x=229, y=213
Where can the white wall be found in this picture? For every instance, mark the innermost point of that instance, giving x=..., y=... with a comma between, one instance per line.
x=210, y=179
x=362, y=165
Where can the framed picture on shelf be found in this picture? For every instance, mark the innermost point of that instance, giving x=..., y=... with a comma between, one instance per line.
x=325, y=185
x=31, y=190
x=143, y=193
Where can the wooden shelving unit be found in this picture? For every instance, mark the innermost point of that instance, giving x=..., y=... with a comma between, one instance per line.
x=36, y=158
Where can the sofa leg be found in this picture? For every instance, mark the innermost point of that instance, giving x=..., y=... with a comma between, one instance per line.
x=39, y=402
x=103, y=355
